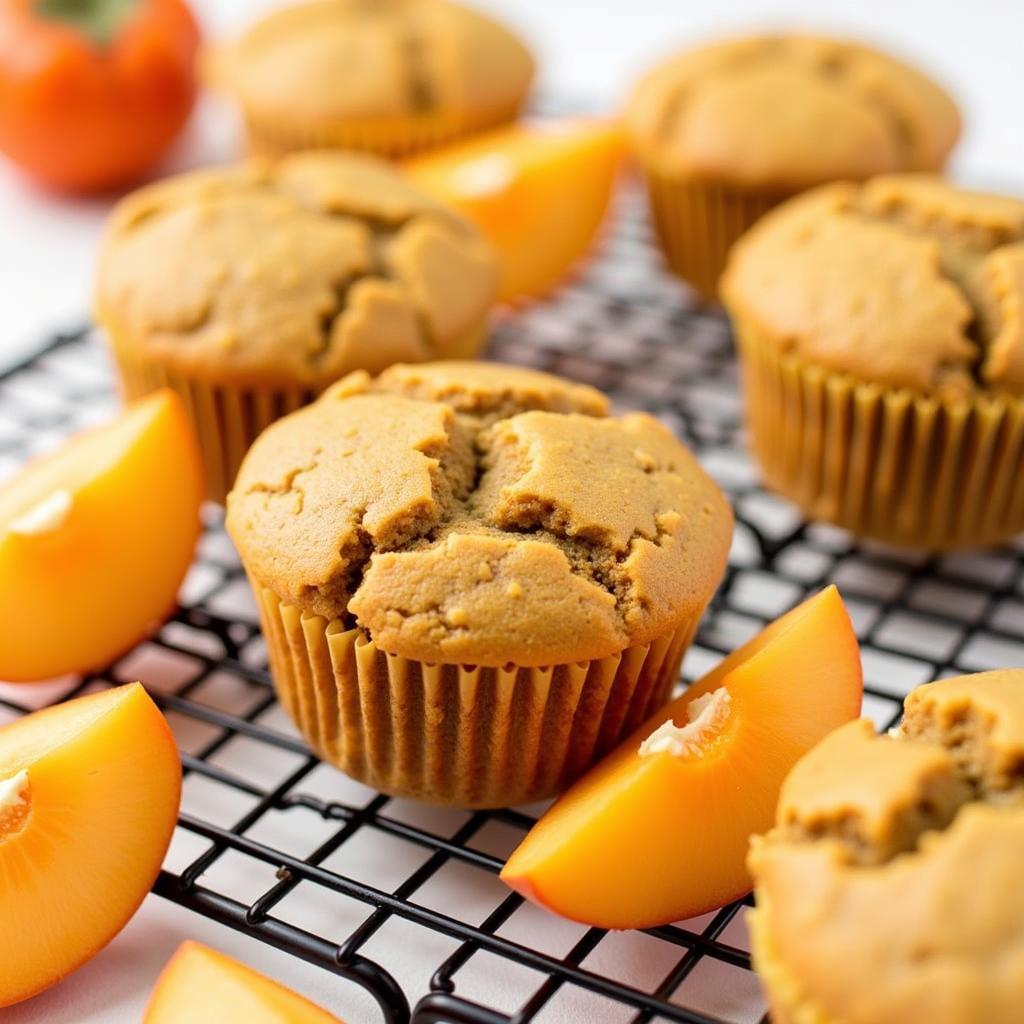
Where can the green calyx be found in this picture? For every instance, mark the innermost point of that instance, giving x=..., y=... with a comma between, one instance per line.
x=97, y=20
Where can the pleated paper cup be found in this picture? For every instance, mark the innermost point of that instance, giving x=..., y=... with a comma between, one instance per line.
x=228, y=416
x=698, y=221
x=393, y=138
x=884, y=463
x=456, y=734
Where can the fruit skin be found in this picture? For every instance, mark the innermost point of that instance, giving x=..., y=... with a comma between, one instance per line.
x=104, y=785
x=75, y=596
x=538, y=191
x=93, y=102
x=202, y=986
x=641, y=841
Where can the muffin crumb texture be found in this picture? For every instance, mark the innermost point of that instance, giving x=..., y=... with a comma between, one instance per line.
x=789, y=112
x=889, y=889
x=905, y=281
x=301, y=270
x=480, y=514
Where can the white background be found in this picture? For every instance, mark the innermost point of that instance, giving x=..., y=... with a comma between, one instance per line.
x=589, y=50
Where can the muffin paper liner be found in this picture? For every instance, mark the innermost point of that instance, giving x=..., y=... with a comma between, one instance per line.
x=228, y=417
x=885, y=463
x=698, y=221
x=456, y=734
x=394, y=138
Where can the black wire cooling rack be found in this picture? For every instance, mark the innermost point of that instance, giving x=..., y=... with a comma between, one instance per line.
x=274, y=844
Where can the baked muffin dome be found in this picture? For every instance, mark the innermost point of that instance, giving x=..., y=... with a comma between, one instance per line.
x=889, y=889
x=307, y=268
x=391, y=76
x=880, y=336
x=788, y=112
x=249, y=289
x=726, y=131
x=480, y=514
x=472, y=582
x=907, y=281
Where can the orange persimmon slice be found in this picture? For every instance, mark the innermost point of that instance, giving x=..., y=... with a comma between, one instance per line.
x=95, y=539
x=658, y=830
x=89, y=794
x=202, y=986
x=538, y=190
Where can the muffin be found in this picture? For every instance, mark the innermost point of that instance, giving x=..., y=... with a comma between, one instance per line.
x=472, y=581
x=881, y=340
x=249, y=289
x=890, y=888
x=725, y=132
x=392, y=77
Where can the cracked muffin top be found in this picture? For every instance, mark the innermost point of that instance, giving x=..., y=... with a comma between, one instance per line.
x=332, y=60
x=789, y=112
x=890, y=889
x=304, y=269
x=481, y=514
x=905, y=281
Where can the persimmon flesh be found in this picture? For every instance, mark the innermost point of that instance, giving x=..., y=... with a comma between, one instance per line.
x=89, y=794
x=539, y=191
x=203, y=986
x=95, y=540
x=646, y=838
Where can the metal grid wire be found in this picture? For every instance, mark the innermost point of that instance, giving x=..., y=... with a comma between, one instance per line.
x=287, y=850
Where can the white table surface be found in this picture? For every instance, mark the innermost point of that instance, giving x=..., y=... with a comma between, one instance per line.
x=587, y=49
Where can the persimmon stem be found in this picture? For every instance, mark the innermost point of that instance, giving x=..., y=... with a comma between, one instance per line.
x=98, y=20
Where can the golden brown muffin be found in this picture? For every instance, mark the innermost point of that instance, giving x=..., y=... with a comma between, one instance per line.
x=389, y=76
x=471, y=578
x=249, y=289
x=726, y=131
x=881, y=334
x=890, y=888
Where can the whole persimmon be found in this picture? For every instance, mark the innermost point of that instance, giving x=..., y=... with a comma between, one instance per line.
x=92, y=92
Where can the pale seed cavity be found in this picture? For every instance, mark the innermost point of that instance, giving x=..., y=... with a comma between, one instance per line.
x=485, y=176
x=705, y=717
x=44, y=516
x=14, y=804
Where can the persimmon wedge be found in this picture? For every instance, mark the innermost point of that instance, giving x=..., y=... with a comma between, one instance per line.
x=538, y=190
x=89, y=794
x=95, y=539
x=658, y=830
x=202, y=986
